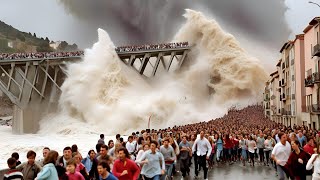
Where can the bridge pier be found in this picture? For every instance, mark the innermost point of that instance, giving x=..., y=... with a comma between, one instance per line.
x=25, y=120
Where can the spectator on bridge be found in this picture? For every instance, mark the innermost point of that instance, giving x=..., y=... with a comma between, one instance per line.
x=49, y=171
x=30, y=169
x=13, y=173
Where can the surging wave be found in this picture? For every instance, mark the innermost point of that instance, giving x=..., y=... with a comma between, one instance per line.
x=103, y=94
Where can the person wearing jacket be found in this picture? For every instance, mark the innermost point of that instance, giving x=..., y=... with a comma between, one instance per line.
x=30, y=169
x=91, y=164
x=49, y=171
x=296, y=164
x=314, y=162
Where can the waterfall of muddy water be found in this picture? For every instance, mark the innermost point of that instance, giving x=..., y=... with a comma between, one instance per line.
x=102, y=94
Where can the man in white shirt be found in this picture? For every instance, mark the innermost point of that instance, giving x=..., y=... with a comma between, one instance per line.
x=131, y=147
x=281, y=153
x=203, y=150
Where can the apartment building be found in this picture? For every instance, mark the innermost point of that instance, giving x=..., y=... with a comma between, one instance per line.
x=294, y=87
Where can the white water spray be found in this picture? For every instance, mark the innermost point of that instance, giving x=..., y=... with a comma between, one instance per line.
x=102, y=94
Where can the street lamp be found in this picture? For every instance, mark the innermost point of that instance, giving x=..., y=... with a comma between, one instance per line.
x=314, y=3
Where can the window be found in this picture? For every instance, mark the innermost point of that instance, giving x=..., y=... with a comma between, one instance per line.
x=309, y=72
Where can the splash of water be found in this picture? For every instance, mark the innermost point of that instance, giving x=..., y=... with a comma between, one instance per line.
x=103, y=94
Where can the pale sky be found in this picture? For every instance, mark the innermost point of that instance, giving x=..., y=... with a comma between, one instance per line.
x=48, y=17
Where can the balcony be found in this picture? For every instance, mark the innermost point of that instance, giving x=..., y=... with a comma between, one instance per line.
x=316, y=50
x=315, y=108
x=292, y=62
x=283, y=97
x=293, y=96
x=312, y=79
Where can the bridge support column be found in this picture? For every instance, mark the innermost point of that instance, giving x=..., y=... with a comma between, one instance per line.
x=25, y=120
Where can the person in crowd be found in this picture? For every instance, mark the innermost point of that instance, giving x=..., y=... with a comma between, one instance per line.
x=71, y=171
x=212, y=155
x=45, y=153
x=243, y=144
x=131, y=147
x=219, y=145
x=169, y=156
x=13, y=173
x=185, y=154
x=101, y=140
x=309, y=147
x=30, y=169
x=49, y=171
x=153, y=163
x=118, y=136
x=268, y=146
x=80, y=167
x=91, y=164
x=251, y=149
x=104, y=171
x=314, y=162
x=203, y=150
x=228, y=145
x=67, y=155
x=103, y=153
x=75, y=149
x=260, y=146
x=280, y=154
x=301, y=138
x=296, y=164
x=146, y=147
x=98, y=147
x=124, y=168
x=16, y=156
x=110, y=144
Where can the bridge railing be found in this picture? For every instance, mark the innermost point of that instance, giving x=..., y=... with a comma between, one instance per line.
x=119, y=50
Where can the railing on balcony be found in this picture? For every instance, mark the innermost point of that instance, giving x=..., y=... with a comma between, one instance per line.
x=316, y=50
x=283, y=97
x=312, y=79
x=292, y=62
x=283, y=83
x=293, y=96
x=316, y=108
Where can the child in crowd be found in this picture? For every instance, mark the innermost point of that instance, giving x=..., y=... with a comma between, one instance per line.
x=13, y=173
x=71, y=171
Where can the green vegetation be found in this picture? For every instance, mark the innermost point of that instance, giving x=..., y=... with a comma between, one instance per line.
x=27, y=42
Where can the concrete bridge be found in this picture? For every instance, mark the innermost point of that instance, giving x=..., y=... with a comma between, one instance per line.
x=34, y=84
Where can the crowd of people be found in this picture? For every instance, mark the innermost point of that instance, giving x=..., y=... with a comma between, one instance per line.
x=151, y=47
x=244, y=137
x=39, y=55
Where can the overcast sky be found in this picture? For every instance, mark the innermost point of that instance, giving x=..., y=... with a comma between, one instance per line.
x=49, y=18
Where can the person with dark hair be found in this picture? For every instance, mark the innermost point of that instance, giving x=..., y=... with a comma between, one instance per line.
x=16, y=156
x=91, y=164
x=153, y=163
x=117, y=138
x=124, y=168
x=103, y=153
x=30, y=169
x=49, y=171
x=13, y=173
x=280, y=154
x=75, y=149
x=309, y=147
x=71, y=171
x=169, y=156
x=185, y=154
x=45, y=153
x=98, y=147
x=110, y=144
x=296, y=164
x=104, y=171
x=101, y=140
x=131, y=147
x=67, y=155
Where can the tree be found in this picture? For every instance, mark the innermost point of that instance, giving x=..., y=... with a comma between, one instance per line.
x=34, y=35
x=63, y=45
x=47, y=39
